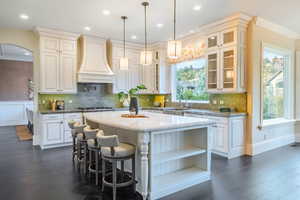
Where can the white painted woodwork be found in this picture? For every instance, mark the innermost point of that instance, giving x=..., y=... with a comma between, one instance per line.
x=228, y=135
x=54, y=129
x=14, y=112
x=94, y=66
x=224, y=36
x=171, y=156
x=58, y=54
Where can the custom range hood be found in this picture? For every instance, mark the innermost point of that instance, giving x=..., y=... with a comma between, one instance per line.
x=94, y=67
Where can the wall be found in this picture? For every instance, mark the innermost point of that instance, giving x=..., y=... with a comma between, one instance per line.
x=14, y=78
x=90, y=95
x=270, y=137
x=28, y=40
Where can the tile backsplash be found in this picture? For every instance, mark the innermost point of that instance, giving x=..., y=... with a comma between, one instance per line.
x=94, y=95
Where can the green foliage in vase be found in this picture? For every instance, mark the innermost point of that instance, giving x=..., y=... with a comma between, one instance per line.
x=132, y=92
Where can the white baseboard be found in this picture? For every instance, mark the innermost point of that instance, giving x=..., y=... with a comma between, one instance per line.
x=297, y=137
x=271, y=144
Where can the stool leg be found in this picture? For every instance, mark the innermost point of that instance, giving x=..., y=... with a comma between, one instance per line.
x=114, y=166
x=74, y=149
x=85, y=159
x=78, y=155
x=122, y=170
x=133, y=173
x=90, y=161
x=103, y=173
x=97, y=167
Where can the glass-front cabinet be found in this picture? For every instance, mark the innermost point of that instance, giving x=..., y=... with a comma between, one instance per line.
x=225, y=59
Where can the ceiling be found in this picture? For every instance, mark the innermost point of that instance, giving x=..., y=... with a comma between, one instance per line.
x=13, y=52
x=74, y=15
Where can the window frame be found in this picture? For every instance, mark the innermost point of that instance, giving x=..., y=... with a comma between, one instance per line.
x=174, y=90
x=288, y=84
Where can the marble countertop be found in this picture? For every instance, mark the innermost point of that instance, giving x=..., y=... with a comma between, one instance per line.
x=154, y=122
x=168, y=110
x=198, y=111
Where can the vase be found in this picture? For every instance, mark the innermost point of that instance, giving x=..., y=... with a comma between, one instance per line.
x=134, y=105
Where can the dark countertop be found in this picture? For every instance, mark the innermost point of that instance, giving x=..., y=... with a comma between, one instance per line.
x=167, y=110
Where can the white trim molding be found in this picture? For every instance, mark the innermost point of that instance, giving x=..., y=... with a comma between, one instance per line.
x=271, y=144
x=276, y=28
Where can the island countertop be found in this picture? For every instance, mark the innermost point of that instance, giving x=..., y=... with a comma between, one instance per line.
x=153, y=122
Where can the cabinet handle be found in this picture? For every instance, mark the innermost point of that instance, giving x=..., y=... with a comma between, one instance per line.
x=61, y=122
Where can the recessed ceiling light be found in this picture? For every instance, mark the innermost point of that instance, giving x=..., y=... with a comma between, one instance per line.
x=24, y=16
x=192, y=31
x=159, y=25
x=27, y=54
x=105, y=12
x=87, y=28
x=133, y=37
x=197, y=7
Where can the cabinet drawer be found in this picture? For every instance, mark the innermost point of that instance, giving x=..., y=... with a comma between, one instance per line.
x=71, y=116
x=52, y=117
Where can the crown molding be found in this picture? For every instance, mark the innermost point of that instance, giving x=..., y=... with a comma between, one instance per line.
x=56, y=33
x=261, y=22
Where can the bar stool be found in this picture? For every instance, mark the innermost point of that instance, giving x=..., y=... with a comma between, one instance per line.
x=114, y=151
x=93, y=149
x=76, y=128
x=82, y=138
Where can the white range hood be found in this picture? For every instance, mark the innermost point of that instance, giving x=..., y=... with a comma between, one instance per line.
x=94, y=67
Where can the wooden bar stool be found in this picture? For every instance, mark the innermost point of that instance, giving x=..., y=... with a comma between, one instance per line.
x=113, y=151
x=93, y=158
x=82, y=138
x=76, y=128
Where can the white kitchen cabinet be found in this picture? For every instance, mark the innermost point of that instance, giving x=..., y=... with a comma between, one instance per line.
x=126, y=79
x=55, y=131
x=225, y=55
x=58, y=53
x=228, y=135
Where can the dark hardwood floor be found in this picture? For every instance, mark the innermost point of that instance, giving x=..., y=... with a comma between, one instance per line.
x=27, y=173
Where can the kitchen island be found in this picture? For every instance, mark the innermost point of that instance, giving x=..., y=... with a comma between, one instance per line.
x=173, y=152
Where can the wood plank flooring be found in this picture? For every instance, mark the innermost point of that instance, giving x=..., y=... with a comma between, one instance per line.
x=27, y=173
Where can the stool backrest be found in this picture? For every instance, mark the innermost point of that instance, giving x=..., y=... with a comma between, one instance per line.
x=78, y=128
x=108, y=141
x=90, y=133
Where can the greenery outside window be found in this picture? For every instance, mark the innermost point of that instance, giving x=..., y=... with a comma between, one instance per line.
x=275, y=81
x=189, y=81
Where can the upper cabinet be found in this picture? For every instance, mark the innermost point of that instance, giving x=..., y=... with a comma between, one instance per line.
x=58, y=61
x=124, y=80
x=155, y=77
x=225, y=55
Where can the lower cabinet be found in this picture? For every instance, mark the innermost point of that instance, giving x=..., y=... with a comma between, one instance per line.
x=55, y=131
x=228, y=135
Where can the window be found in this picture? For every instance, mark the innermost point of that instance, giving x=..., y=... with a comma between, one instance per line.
x=275, y=82
x=189, y=81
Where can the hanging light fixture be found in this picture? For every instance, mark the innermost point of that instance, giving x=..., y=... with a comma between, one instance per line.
x=146, y=56
x=174, y=46
x=124, y=59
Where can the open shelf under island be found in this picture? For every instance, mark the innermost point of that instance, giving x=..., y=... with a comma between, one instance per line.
x=173, y=152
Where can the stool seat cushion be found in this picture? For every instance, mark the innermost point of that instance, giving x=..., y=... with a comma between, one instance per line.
x=80, y=137
x=91, y=143
x=122, y=150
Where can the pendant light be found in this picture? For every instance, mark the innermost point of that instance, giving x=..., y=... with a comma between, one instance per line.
x=124, y=59
x=174, y=46
x=146, y=56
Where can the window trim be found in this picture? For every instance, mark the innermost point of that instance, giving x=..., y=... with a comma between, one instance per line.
x=288, y=85
x=173, y=87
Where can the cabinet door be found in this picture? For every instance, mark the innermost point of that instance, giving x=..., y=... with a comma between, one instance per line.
x=50, y=44
x=148, y=74
x=213, y=41
x=237, y=133
x=68, y=47
x=229, y=37
x=49, y=72
x=220, y=138
x=228, y=69
x=212, y=71
x=53, y=132
x=67, y=78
